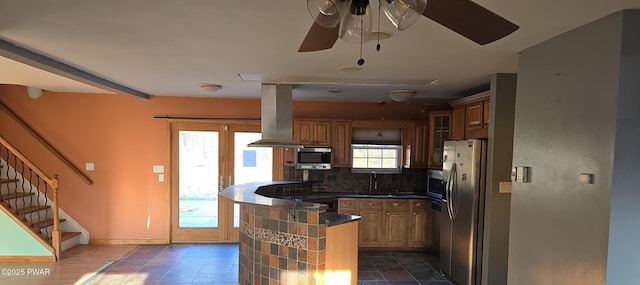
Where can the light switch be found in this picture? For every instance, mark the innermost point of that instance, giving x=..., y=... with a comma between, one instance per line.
x=158, y=169
x=586, y=178
x=160, y=177
x=520, y=174
x=89, y=166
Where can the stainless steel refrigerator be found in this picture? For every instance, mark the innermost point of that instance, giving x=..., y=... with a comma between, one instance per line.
x=462, y=214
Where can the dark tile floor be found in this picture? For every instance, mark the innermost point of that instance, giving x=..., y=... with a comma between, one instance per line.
x=218, y=264
x=399, y=268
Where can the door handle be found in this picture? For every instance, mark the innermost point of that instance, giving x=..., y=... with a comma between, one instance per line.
x=451, y=183
x=454, y=190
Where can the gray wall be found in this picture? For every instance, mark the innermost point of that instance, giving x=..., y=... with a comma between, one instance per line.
x=565, y=124
x=495, y=251
x=624, y=229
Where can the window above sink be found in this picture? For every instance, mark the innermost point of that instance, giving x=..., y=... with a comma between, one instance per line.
x=367, y=158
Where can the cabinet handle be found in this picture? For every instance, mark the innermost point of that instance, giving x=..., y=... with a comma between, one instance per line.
x=388, y=213
x=371, y=204
x=414, y=213
x=419, y=205
x=473, y=123
x=396, y=204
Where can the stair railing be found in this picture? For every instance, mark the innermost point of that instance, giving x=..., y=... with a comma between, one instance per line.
x=44, y=142
x=24, y=189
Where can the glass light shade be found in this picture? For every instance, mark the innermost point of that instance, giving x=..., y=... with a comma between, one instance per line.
x=403, y=13
x=355, y=26
x=401, y=95
x=34, y=92
x=325, y=12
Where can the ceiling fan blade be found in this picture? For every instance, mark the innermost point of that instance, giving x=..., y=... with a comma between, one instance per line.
x=469, y=20
x=319, y=38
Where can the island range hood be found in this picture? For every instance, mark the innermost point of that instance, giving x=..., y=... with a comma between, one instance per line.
x=276, y=117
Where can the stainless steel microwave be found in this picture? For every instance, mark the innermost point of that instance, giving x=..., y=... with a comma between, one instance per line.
x=435, y=184
x=313, y=158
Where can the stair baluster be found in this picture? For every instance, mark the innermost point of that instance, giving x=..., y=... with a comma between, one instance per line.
x=23, y=191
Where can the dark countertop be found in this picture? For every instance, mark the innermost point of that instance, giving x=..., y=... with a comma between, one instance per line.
x=333, y=219
x=336, y=195
x=245, y=193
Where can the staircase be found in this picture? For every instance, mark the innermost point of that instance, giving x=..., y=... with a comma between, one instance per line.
x=29, y=197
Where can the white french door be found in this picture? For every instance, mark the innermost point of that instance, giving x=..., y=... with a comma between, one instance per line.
x=207, y=157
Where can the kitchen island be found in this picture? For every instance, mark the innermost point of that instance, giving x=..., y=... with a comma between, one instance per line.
x=293, y=242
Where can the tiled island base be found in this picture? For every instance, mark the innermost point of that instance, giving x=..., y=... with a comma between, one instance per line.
x=283, y=241
x=279, y=245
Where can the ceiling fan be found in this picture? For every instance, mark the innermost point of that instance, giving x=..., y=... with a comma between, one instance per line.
x=350, y=20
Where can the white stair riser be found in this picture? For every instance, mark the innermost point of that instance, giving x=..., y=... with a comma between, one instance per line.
x=67, y=244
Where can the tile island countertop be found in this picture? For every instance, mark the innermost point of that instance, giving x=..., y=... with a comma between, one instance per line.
x=246, y=194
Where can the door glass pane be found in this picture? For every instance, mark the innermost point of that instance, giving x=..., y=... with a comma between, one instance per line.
x=251, y=164
x=198, y=189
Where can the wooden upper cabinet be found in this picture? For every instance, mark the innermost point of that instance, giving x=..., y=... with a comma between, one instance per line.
x=473, y=111
x=341, y=146
x=417, y=148
x=439, y=131
x=475, y=117
x=458, y=122
x=312, y=132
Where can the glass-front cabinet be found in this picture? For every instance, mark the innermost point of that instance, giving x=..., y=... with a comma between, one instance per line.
x=439, y=128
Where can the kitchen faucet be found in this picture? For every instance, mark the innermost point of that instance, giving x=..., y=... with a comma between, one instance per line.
x=373, y=182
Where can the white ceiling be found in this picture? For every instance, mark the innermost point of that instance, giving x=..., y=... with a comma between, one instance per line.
x=168, y=47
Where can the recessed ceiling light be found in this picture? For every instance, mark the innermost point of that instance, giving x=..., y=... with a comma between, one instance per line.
x=351, y=68
x=211, y=88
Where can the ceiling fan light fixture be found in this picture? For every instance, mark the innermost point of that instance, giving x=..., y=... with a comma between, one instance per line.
x=327, y=13
x=403, y=13
x=401, y=95
x=356, y=24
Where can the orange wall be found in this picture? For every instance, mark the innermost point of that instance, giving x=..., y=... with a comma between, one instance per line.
x=119, y=134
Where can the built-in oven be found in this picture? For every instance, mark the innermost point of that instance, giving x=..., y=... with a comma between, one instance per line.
x=435, y=184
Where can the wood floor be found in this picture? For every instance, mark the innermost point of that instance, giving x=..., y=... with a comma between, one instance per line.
x=197, y=264
x=77, y=265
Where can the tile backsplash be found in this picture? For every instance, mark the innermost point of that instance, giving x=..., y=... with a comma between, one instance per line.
x=343, y=180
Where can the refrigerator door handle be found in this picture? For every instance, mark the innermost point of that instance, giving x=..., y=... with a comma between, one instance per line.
x=448, y=190
x=454, y=191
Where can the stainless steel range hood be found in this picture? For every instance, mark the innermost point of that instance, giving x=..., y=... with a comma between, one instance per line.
x=276, y=117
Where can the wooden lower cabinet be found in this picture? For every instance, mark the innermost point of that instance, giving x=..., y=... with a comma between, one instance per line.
x=370, y=228
x=393, y=223
x=397, y=228
x=371, y=225
x=421, y=224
